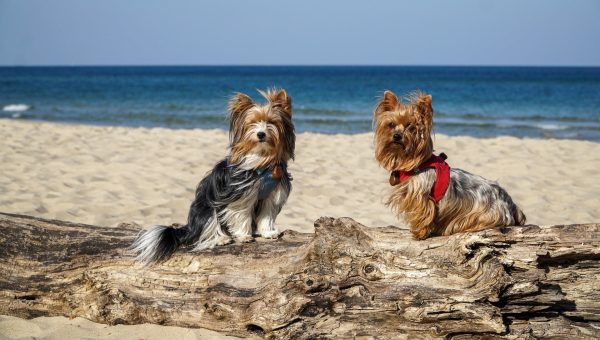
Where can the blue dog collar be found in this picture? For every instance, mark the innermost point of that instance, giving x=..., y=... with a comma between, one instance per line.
x=267, y=181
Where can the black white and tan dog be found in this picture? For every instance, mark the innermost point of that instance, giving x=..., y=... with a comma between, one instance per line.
x=242, y=195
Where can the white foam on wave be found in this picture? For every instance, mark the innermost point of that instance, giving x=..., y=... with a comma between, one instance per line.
x=16, y=108
x=551, y=126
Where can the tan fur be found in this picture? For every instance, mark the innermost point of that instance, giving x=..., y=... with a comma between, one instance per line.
x=460, y=210
x=277, y=112
x=413, y=121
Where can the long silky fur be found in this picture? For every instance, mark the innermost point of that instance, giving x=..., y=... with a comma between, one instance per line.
x=226, y=203
x=471, y=202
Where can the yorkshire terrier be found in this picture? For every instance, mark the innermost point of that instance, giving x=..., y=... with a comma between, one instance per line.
x=432, y=198
x=243, y=194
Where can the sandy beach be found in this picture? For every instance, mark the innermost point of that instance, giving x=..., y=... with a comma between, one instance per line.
x=107, y=175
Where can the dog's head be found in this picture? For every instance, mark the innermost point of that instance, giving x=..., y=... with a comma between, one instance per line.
x=261, y=135
x=403, y=131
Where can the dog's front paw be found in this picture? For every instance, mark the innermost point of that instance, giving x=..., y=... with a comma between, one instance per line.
x=272, y=234
x=224, y=240
x=420, y=233
x=244, y=239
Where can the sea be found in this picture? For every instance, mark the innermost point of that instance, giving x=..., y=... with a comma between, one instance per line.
x=534, y=102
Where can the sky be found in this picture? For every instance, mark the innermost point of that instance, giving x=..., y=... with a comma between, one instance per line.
x=307, y=32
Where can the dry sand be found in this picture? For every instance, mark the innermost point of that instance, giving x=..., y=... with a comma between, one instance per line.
x=60, y=328
x=107, y=175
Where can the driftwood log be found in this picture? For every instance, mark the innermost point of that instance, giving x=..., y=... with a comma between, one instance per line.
x=345, y=280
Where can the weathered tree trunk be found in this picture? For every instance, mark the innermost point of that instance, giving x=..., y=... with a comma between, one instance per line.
x=345, y=280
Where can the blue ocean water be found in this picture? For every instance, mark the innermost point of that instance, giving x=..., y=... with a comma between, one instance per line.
x=478, y=101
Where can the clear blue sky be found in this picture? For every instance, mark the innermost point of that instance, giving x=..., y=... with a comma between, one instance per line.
x=307, y=32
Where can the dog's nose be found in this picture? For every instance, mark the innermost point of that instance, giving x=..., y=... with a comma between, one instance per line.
x=397, y=137
x=261, y=135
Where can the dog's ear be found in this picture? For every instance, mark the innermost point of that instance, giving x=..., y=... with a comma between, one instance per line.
x=239, y=103
x=280, y=98
x=422, y=102
x=389, y=102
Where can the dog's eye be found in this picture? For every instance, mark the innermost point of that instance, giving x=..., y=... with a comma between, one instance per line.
x=391, y=125
x=407, y=126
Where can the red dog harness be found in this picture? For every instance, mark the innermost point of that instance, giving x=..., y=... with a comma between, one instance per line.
x=442, y=175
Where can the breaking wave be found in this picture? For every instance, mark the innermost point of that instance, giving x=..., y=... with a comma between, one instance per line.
x=16, y=108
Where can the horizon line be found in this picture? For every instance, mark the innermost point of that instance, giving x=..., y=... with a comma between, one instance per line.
x=301, y=65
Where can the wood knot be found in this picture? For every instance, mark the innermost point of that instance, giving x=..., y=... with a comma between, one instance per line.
x=256, y=329
x=371, y=272
x=216, y=311
x=318, y=284
x=316, y=307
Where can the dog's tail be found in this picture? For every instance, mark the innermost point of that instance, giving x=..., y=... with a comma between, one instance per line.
x=158, y=243
x=519, y=216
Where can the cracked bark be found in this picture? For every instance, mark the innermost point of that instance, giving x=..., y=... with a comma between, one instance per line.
x=345, y=280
